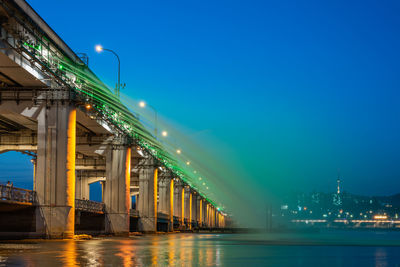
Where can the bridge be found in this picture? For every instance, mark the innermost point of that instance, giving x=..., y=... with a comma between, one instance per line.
x=54, y=108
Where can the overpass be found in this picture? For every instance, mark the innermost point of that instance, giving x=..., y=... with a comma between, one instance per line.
x=54, y=108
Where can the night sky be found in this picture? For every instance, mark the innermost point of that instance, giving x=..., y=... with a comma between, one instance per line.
x=285, y=94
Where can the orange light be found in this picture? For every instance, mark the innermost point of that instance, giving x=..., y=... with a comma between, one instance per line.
x=155, y=194
x=88, y=106
x=70, y=173
x=171, y=201
x=380, y=217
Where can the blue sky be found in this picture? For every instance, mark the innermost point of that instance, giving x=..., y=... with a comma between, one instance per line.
x=290, y=91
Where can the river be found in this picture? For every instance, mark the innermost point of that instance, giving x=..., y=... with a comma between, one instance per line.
x=331, y=248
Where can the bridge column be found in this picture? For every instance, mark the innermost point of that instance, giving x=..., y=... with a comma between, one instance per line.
x=178, y=203
x=171, y=205
x=208, y=215
x=165, y=201
x=205, y=209
x=148, y=176
x=209, y=218
x=204, y=213
x=55, y=173
x=194, y=207
x=117, y=190
x=163, y=190
x=188, y=207
x=199, y=211
x=212, y=216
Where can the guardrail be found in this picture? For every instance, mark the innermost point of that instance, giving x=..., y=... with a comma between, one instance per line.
x=89, y=205
x=11, y=193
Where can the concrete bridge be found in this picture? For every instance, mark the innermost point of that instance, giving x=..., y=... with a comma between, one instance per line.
x=54, y=108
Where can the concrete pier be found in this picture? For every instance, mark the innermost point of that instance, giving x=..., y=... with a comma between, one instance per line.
x=55, y=173
x=194, y=208
x=117, y=189
x=148, y=176
x=187, y=206
x=171, y=205
x=163, y=191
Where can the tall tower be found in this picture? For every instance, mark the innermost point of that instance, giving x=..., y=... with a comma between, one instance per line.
x=337, y=198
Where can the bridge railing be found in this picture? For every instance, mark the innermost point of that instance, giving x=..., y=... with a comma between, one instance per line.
x=89, y=205
x=11, y=193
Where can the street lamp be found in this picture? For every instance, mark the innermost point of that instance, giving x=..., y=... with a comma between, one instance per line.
x=143, y=104
x=99, y=49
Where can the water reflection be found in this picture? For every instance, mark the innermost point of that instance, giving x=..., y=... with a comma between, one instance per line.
x=91, y=255
x=192, y=250
x=70, y=253
x=171, y=252
x=126, y=252
x=380, y=257
x=154, y=252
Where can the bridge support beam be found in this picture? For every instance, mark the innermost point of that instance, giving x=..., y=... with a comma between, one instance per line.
x=171, y=205
x=212, y=217
x=194, y=208
x=208, y=215
x=188, y=206
x=199, y=211
x=178, y=203
x=55, y=173
x=165, y=199
x=163, y=195
x=213, y=214
x=117, y=190
x=148, y=177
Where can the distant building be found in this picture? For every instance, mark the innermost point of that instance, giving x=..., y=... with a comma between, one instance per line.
x=337, y=198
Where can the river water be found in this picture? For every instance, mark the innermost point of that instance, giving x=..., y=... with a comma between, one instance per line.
x=325, y=249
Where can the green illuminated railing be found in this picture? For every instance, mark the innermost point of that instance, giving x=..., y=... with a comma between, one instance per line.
x=87, y=88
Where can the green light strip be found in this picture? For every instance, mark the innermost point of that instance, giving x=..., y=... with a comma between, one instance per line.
x=90, y=89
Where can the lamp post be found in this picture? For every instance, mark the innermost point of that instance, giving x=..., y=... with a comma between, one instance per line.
x=143, y=104
x=99, y=49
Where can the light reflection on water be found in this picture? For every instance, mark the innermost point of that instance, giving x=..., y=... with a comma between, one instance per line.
x=205, y=250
